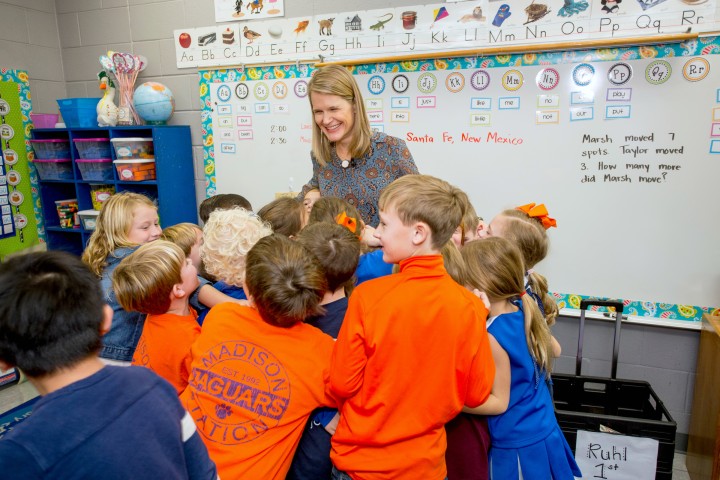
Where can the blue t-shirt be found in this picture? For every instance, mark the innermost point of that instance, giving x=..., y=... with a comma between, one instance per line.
x=371, y=265
x=119, y=423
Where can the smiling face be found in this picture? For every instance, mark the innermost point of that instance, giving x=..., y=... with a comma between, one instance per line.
x=335, y=117
x=496, y=227
x=395, y=237
x=145, y=225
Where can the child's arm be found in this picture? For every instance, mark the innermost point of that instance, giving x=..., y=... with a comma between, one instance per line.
x=555, y=345
x=211, y=296
x=499, y=398
x=348, y=356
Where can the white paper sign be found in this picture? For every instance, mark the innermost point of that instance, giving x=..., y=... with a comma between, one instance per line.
x=615, y=457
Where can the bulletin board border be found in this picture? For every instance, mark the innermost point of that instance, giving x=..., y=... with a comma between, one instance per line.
x=22, y=79
x=695, y=47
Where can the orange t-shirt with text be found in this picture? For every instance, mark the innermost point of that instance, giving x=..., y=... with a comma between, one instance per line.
x=164, y=346
x=252, y=388
x=413, y=349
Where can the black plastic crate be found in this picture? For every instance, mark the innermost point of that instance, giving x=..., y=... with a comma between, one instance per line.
x=630, y=407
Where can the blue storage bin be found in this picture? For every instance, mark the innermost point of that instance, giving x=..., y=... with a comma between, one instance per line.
x=51, y=148
x=93, y=147
x=79, y=112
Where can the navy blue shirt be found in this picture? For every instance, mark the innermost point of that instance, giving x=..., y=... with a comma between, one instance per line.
x=312, y=457
x=119, y=423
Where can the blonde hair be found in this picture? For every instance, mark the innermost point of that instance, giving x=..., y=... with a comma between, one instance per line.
x=454, y=263
x=495, y=266
x=112, y=228
x=337, y=80
x=143, y=281
x=423, y=198
x=228, y=237
x=285, y=281
x=469, y=223
x=529, y=235
x=184, y=235
x=285, y=215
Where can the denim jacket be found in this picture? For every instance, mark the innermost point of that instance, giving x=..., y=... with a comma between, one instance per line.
x=120, y=342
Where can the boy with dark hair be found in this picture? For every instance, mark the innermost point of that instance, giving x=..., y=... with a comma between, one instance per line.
x=157, y=279
x=338, y=251
x=94, y=421
x=258, y=372
x=413, y=348
x=222, y=201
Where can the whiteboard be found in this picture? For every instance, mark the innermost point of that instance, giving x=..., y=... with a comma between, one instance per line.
x=623, y=146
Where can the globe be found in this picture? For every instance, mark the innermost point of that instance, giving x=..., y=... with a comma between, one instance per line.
x=154, y=102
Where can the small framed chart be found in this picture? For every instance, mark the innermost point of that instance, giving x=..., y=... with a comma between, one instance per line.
x=400, y=83
x=583, y=74
x=480, y=80
x=658, y=72
x=620, y=73
x=696, y=69
x=427, y=82
x=242, y=91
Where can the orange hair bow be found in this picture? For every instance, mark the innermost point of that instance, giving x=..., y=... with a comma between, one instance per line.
x=539, y=212
x=348, y=222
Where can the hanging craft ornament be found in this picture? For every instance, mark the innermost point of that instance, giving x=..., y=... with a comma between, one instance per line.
x=539, y=212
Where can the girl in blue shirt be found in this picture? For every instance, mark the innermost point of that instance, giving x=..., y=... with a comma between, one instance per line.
x=526, y=441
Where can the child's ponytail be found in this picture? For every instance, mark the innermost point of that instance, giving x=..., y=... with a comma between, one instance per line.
x=495, y=266
x=537, y=334
x=539, y=286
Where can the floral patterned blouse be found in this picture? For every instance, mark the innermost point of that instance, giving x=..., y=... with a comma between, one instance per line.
x=362, y=181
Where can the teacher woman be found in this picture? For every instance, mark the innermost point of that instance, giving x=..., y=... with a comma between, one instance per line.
x=349, y=160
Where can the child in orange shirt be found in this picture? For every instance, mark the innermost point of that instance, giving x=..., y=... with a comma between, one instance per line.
x=158, y=279
x=258, y=372
x=413, y=348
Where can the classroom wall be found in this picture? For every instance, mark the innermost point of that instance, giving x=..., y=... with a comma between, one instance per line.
x=88, y=28
x=31, y=30
x=29, y=41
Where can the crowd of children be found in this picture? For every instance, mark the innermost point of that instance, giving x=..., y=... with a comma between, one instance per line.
x=440, y=367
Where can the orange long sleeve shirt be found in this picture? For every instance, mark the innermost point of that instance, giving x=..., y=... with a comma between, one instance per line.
x=164, y=346
x=252, y=388
x=413, y=349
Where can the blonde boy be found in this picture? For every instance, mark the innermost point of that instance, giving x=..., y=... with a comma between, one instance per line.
x=413, y=348
x=157, y=279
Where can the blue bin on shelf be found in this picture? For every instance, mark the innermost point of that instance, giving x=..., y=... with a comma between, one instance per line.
x=79, y=112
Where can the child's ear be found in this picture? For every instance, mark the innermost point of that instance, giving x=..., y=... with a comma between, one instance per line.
x=107, y=320
x=247, y=294
x=421, y=233
x=178, y=291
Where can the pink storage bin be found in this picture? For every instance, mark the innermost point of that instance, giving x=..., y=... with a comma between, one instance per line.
x=44, y=120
